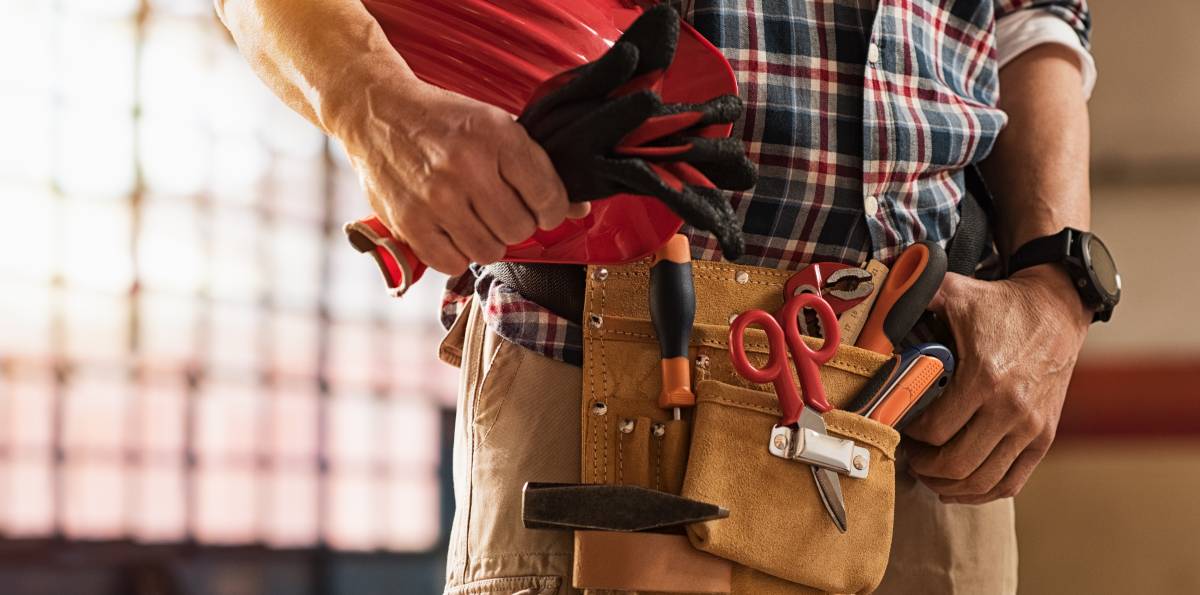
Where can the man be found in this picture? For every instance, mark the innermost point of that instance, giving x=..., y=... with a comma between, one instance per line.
x=862, y=117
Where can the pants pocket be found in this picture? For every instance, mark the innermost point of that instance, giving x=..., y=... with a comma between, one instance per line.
x=517, y=585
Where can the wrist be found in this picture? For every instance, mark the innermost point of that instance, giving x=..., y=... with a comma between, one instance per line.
x=372, y=87
x=1058, y=286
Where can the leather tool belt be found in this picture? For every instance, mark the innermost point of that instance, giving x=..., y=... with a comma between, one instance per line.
x=778, y=536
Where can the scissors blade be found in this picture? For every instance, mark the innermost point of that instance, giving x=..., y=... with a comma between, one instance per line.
x=829, y=487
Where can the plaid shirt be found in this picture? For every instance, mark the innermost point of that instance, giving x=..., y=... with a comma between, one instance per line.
x=861, y=115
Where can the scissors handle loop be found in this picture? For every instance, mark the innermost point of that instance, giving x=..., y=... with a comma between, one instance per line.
x=776, y=369
x=808, y=362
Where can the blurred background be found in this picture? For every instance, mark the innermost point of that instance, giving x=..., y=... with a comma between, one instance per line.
x=204, y=390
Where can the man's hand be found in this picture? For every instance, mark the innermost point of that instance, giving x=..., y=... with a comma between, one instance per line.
x=1017, y=344
x=456, y=179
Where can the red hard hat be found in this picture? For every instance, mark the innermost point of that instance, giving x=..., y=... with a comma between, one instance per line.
x=499, y=52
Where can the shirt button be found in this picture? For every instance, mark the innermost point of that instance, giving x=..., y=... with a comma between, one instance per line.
x=873, y=53
x=871, y=206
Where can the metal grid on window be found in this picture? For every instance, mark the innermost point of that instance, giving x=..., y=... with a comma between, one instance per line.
x=188, y=349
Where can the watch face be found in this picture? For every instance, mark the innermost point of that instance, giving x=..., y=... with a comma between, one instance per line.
x=1104, y=269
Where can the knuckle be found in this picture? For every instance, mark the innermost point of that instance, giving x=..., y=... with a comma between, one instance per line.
x=956, y=470
x=1009, y=491
x=489, y=252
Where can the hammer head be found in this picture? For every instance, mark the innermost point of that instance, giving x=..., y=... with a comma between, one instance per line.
x=611, y=508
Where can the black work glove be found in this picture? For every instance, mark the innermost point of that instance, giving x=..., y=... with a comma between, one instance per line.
x=606, y=134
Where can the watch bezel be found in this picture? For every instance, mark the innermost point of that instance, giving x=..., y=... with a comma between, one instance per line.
x=1104, y=300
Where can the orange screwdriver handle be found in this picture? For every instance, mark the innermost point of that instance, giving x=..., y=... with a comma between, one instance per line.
x=673, y=311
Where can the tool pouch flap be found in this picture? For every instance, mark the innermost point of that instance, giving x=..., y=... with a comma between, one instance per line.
x=777, y=524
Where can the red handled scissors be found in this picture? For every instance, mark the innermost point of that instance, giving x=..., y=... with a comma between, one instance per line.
x=801, y=408
x=783, y=336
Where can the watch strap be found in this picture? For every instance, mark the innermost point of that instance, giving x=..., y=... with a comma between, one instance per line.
x=1044, y=250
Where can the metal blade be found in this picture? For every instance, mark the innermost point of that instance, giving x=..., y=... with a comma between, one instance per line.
x=829, y=487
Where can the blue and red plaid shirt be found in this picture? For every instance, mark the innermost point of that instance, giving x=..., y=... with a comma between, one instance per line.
x=861, y=116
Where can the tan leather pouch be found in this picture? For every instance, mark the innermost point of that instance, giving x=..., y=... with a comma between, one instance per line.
x=777, y=524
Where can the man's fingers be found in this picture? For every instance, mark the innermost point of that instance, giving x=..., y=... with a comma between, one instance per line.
x=1014, y=480
x=504, y=213
x=434, y=248
x=472, y=237
x=528, y=170
x=984, y=478
x=960, y=458
x=946, y=416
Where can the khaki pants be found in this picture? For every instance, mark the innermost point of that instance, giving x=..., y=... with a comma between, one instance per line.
x=519, y=420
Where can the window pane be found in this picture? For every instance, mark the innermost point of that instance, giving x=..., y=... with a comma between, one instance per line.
x=353, y=442
x=160, y=422
x=291, y=512
x=97, y=326
x=96, y=245
x=95, y=415
x=403, y=530
x=294, y=425
x=94, y=499
x=28, y=496
x=353, y=512
x=228, y=423
x=25, y=317
x=167, y=330
x=28, y=401
x=227, y=509
x=159, y=497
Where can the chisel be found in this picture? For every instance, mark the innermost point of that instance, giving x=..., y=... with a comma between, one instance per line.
x=673, y=311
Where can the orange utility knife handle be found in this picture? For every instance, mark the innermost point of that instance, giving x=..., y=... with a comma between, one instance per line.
x=400, y=267
x=673, y=311
x=925, y=371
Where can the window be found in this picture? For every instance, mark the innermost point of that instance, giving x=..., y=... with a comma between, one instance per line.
x=189, y=350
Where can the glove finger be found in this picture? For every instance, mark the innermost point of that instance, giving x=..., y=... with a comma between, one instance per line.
x=728, y=229
x=687, y=119
x=655, y=34
x=594, y=80
x=725, y=109
x=700, y=207
x=723, y=160
x=606, y=126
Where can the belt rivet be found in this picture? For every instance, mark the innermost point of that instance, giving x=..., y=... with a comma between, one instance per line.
x=659, y=430
x=600, y=274
x=742, y=277
x=595, y=320
x=627, y=426
x=599, y=408
x=859, y=463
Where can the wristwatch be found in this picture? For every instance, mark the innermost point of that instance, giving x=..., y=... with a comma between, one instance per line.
x=1087, y=260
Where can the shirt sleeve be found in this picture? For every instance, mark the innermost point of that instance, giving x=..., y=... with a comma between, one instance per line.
x=1075, y=13
x=1019, y=31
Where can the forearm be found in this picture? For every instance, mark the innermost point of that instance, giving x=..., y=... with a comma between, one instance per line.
x=1039, y=167
x=319, y=57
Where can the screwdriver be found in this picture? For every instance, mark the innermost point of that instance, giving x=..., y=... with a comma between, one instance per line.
x=673, y=311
